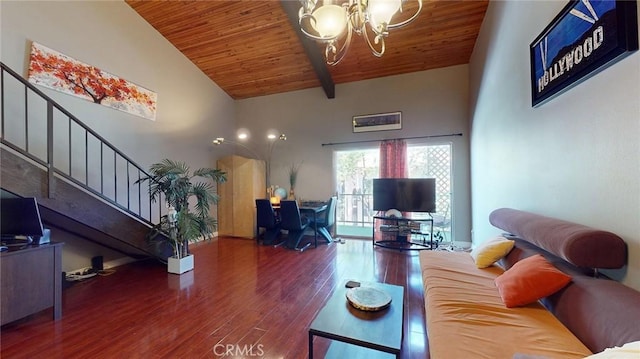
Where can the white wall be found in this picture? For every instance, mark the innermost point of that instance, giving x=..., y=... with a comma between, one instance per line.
x=576, y=157
x=432, y=102
x=113, y=37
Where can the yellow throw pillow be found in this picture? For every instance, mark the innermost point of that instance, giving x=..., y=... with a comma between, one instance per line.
x=488, y=252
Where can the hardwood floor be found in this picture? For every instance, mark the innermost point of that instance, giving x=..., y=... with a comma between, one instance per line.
x=240, y=295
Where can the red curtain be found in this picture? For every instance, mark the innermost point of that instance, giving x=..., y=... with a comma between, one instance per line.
x=393, y=163
x=393, y=159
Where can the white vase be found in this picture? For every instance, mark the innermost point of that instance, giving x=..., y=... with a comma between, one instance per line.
x=180, y=265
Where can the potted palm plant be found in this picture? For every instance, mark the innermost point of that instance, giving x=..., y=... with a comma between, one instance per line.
x=180, y=225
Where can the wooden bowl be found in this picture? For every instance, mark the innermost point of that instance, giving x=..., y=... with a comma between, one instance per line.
x=368, y=299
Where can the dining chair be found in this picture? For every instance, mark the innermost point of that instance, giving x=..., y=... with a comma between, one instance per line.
x=266, y=218
x=327, y=220
x=294, y=223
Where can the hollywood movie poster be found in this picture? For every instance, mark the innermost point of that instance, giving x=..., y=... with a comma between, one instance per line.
x=586, y=37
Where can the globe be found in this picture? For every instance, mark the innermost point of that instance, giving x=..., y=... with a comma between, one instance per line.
x=281, y=192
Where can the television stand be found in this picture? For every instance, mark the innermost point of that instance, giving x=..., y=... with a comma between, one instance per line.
x=403, y=233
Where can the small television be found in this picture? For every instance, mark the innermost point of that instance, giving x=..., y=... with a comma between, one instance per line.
x=404, y=194
x=20, y=220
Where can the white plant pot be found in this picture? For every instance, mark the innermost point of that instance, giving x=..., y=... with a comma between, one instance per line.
x=180, y=265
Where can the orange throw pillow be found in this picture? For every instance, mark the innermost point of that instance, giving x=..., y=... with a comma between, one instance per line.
x=529, y=280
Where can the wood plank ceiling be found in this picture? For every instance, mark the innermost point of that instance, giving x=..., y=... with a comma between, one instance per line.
x=250, y=48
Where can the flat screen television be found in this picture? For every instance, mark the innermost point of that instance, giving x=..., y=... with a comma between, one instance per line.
x=404, y=194
x=20, y=219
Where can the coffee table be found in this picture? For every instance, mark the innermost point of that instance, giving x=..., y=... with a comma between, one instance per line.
x=340, y=321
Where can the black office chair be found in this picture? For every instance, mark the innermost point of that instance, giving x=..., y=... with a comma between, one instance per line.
x=293, y=223
x=266, y=218
x=326, y=222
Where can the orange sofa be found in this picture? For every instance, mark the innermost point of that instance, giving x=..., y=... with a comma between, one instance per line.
x=466, y=317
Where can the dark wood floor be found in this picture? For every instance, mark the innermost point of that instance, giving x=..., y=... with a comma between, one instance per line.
x=239, y=293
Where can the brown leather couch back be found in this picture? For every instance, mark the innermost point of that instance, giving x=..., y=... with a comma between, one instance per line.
x=577, y=244
x=601, y=312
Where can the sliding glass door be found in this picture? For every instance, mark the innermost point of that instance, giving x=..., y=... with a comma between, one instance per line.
x=354, y=171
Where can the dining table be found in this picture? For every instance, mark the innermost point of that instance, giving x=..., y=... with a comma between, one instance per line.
x=313, y=208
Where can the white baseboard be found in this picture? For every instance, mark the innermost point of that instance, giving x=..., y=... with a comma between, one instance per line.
x=462, y=244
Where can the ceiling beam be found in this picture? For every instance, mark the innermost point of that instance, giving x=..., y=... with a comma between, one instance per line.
x=311, y=49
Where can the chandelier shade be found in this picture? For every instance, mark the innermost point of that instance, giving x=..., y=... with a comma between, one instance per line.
x=333, y=24
x=330, y=21
x=382, y=11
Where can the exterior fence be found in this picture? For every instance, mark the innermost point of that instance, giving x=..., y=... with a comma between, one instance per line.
x=355, y=209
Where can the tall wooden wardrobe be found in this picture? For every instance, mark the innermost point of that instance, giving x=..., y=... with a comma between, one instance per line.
x=237, y=207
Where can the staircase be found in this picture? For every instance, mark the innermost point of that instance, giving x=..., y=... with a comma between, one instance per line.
x=83, y=184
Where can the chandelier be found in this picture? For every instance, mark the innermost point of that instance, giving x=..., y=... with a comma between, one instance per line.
x=334, y=24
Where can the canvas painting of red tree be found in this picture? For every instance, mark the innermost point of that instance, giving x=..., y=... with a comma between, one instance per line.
x=59, y=72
